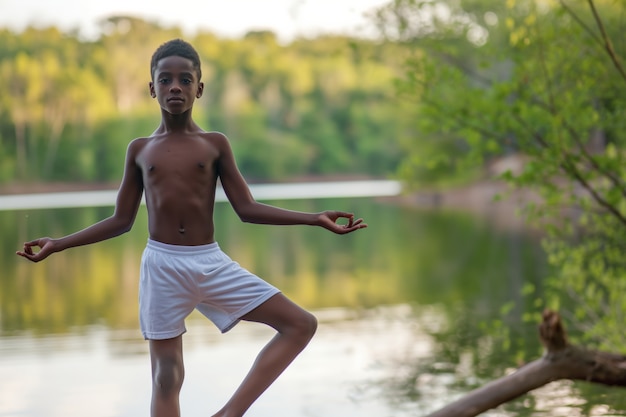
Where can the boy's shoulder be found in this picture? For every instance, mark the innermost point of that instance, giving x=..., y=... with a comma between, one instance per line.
x=137, y=144
x=213, y=135
x=216, y=138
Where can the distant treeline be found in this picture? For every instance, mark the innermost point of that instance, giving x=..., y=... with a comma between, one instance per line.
x=322, y=106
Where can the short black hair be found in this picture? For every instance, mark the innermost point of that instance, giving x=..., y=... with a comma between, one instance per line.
x=176, y=47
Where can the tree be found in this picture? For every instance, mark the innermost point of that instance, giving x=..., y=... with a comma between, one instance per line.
x=315, y=106
x=24, y=93
x=543, y=82
x=561, y=360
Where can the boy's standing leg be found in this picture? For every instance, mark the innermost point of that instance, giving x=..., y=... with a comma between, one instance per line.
x=168, y=372
x=295, y=327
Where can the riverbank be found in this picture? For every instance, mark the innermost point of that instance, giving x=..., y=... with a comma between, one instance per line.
x=64, y=187
x=54, y=187
x=492, y=200
x=479, y=197
x=262, y=192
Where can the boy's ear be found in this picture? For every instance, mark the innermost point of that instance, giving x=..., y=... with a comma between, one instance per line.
x=151, y=86
x=200, y=90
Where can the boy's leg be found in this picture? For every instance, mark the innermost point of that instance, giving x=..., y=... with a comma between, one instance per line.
x=168, y=372
x=295, y=328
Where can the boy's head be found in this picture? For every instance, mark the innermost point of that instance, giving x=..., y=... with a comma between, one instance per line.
x=176, y=47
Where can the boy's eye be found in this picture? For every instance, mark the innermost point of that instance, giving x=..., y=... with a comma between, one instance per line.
x=186, y=81
x=163, y=80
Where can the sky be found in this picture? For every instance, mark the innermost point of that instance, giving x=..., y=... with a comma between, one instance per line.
x=227, y=18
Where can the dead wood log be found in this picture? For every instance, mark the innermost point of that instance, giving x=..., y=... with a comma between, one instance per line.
x=561, y=360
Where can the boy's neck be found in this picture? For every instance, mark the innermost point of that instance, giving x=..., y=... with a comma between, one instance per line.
x=177, y=123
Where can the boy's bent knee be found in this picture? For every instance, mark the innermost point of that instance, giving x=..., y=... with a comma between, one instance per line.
x=304, y=326
x=311, y=324
x=285, y=317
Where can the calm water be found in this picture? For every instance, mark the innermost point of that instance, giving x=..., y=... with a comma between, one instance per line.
x=404, y=306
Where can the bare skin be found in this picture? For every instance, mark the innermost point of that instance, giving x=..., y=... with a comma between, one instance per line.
x=178, y=167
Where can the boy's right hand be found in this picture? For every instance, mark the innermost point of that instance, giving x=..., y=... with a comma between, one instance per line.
x=45, y=244
x=328, y=220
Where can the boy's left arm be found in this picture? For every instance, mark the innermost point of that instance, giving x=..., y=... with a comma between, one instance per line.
x=251, y=211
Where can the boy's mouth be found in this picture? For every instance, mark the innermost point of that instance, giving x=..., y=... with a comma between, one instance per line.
x=175, y=99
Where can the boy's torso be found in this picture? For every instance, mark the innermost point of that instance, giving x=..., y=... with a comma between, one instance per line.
x=179, y=174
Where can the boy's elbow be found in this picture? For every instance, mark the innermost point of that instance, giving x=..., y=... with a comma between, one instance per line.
x=245, y=217
x=124, y=224
x=245, y=212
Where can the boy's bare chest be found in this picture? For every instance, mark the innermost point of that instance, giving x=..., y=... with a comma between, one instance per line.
x=183, y=159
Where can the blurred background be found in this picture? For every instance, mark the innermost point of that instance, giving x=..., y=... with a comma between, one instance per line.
x=501, y=120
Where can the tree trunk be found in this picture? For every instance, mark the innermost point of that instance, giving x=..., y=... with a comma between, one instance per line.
x=560, y=361
x=20, y=150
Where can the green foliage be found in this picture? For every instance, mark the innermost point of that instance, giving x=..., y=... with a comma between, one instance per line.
x=317, y=106
x=543, y=84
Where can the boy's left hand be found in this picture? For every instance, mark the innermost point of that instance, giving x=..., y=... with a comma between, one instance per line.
x=47, y=248
x=328, y=220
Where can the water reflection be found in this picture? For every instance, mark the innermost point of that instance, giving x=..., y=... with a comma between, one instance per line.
x=466, y=356
x=402, y=257
x=401, y=305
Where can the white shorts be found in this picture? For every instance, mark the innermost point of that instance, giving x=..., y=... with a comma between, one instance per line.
x=176, y=279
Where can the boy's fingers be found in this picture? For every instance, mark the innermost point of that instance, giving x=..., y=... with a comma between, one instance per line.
x=28, y=247
x=344, y=214
x=23, y=254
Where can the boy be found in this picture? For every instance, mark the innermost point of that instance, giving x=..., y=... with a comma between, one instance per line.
x=182, y=267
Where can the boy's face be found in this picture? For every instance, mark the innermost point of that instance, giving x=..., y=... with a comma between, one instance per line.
x=175, y=84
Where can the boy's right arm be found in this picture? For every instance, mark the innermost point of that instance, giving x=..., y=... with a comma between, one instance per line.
x=126, y=206
x=249, y=210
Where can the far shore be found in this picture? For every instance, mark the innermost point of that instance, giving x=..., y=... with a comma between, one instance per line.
x=493, y=200
x=63, y=187
x=479, y=196
x=54, y=187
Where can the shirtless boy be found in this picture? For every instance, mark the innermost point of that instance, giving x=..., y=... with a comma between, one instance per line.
x=182, y=267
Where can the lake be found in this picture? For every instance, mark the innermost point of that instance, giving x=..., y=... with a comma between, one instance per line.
x=408, y=311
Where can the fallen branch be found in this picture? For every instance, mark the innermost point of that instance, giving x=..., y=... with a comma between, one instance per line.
x=561, y=360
